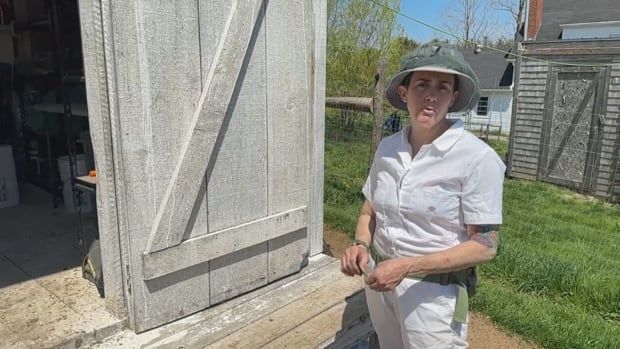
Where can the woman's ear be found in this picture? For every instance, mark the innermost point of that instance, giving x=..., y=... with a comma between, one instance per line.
x=456, y=94
x=402, y=92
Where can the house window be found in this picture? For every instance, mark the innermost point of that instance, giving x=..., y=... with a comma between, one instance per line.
x=483, y=106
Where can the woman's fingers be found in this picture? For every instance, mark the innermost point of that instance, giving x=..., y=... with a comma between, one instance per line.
x=349, y=261
x=344, y=265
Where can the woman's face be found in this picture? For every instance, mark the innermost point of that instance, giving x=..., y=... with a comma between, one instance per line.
x=428, y=97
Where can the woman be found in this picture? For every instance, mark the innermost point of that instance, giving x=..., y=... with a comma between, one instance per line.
x=432, y=211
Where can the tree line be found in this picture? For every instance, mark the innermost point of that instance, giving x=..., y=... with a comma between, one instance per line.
x=360, y=34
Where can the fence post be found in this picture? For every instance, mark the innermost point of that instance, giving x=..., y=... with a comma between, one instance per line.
x=377, y=106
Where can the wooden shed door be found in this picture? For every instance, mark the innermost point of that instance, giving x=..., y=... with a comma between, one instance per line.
x=212, y=119
x=571, y=127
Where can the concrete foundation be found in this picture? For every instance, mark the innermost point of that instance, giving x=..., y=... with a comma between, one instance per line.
x=44, y=301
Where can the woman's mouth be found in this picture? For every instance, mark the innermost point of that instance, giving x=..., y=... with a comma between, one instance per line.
x=429, y=111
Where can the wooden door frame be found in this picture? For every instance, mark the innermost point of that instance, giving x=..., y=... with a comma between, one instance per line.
x=593, y=147
x=102, y=97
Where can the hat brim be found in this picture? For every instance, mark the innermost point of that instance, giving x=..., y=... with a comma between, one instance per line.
x=465, y=101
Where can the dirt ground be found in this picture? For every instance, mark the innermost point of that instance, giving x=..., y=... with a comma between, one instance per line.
x=483, y=334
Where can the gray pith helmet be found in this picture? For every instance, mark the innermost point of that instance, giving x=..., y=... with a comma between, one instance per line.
x=439, y=57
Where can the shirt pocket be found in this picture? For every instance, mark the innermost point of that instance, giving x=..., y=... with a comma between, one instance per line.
x=435, y=204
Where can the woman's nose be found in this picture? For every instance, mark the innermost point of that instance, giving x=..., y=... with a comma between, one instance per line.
x=431, y=97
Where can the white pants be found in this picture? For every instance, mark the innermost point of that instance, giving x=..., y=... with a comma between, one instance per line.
x=416, y=314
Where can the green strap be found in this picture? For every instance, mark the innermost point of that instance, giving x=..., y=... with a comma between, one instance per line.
x=462, y=302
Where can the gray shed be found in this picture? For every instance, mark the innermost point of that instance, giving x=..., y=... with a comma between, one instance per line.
x=566, y=115
x=207, y=126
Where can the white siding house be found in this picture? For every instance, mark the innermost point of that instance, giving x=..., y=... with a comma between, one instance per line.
x=494, y=110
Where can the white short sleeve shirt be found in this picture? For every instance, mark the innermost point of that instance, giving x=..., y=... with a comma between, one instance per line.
x=422, y=204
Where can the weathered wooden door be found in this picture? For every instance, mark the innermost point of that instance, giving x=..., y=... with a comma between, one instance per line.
x=216, y=126
x=572, y=126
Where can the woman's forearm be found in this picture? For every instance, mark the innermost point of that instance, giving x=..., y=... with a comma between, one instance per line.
x=481, y=248
x=365, y=224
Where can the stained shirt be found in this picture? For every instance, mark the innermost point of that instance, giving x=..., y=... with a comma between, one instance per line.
x=423, y=203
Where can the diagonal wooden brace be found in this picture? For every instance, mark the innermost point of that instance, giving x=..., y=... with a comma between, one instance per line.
x=181, y=194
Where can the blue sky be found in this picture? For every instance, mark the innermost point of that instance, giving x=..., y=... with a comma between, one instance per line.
x=430, y=11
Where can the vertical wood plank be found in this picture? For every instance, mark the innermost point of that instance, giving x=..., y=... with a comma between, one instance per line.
x=158, y=81
x=237, y=180
x=317, y=64
x=288, y=105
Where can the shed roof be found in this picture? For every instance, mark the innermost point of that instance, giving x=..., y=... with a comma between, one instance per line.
x=556, y=12
x=493, y=71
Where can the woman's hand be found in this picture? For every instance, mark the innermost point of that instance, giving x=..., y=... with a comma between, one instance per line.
x=388, y=274
x=353, y=260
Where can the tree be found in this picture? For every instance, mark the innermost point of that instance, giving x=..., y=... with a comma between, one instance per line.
x=514, y=7
x=358, y=32
x=469, y=19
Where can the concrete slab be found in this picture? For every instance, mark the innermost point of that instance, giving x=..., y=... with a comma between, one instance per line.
x=44, y=301
x=60, y=310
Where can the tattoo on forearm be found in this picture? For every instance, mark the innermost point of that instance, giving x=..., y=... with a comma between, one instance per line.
x=487, y=235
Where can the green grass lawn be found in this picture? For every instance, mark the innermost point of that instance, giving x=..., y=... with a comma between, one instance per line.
x=556, y=277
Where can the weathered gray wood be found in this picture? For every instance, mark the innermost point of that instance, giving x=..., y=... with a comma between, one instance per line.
x=529, y=135
x=210, y=246
x=315, y=195
x=518, y=173
x=237, y=177
x=532, y=112
x=237, y=273
x=528, y=126
x=525, y=161
x=350, y=103
x=158, y=59
x=534, y=75
x=526, y=86
x=525, y=146
x=576, y=51
x=289, y=112
x=198, y=143
x=213, y=16
x=532, y=94
x=527, y=121
x=525, y=153
x=157, y=63
x=287, y=254
x=532, y=101
x=97, y=84
x=578, y=115
x=288, y=319
x=614, y=94
x=288, y=165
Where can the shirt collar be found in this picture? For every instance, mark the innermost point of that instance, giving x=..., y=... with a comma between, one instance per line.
x=442, y=143
x=449, y=138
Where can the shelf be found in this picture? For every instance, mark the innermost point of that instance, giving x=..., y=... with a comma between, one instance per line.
x=76, y=109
